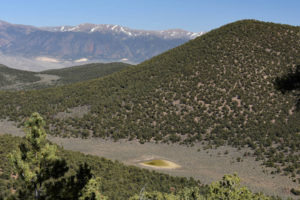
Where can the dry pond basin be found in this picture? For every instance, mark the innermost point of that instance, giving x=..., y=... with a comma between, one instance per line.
x=164, y=164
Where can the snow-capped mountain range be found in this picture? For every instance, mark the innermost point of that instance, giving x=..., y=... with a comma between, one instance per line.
x=39, y=48
x=109, y=28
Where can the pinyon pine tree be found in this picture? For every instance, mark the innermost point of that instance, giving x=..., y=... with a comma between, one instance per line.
x=229, y=189
x=34, y=157
x=41, y=172
x=91, y=190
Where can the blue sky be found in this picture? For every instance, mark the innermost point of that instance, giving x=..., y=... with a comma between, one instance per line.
x=192, y=15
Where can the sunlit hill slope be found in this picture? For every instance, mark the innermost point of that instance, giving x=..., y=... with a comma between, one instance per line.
x=217, y=88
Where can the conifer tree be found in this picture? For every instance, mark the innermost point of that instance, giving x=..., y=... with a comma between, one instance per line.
x=91, y=190
x=40, y=169
x=34, y=158
x=229, y=189
x=226, y=189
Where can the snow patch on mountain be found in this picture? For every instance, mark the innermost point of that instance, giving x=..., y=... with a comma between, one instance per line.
x=117, y=29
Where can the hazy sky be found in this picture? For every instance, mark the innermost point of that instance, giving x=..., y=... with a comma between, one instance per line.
x=192, y=15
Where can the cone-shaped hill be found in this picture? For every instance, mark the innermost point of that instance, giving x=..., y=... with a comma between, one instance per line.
x=218, y=87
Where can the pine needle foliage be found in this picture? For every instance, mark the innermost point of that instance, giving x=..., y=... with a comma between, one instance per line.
x=92, y=190
x=33, y=158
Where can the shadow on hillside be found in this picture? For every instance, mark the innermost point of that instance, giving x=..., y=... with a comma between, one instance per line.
x=290, y=82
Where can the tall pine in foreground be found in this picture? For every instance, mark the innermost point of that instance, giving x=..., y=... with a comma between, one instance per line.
x=41, y=172
x=35, y=158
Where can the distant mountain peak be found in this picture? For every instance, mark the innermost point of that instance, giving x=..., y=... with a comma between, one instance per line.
x=117, y=29
x=3, y=23
x=105, y=28
x=37, y=48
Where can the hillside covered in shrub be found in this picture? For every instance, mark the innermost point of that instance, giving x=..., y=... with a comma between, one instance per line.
x=14, y=79
x=217, y=89
x=85, y=72
x=9, y=76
